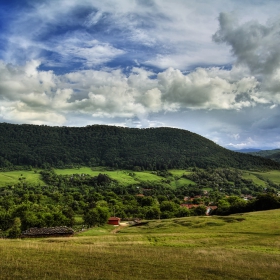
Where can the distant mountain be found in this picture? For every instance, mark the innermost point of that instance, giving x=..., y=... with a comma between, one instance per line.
x=251, y=150
x=271, y=154
x=118, y=147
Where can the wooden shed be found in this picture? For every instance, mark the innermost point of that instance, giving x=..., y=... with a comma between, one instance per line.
x=47, y=232
x=114, y=221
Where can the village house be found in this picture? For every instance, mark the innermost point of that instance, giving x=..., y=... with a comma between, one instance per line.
x=209, y=209
x=114, y=221
x=189, y=206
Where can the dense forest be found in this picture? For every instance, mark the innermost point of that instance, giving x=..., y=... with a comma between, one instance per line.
x=117, y=147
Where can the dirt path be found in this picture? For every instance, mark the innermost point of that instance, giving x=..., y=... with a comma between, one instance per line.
x=118, y=228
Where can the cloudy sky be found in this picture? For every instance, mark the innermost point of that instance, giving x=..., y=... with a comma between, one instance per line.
x=211, y=67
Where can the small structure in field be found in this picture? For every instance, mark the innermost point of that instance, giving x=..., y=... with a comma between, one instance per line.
x=210, y=209
x=47, y=232
x=114, y=221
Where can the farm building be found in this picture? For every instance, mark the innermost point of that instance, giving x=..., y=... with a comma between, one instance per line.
x=114, y=221
x=189, y=206
x=47, y=232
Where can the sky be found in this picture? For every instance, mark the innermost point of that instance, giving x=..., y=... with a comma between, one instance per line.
x=210, y=67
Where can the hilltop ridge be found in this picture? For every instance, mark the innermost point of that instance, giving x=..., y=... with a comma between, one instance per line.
x=118, y=147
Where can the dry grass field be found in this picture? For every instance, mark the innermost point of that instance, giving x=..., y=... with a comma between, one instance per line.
x=235, y=247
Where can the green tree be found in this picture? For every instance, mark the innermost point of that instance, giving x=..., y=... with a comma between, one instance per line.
x=97, y=216
x=152, y=212
x=15, y=230
x=199, y=210
x=183, y=212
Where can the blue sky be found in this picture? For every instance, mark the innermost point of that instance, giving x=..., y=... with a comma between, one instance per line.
x=211, y=67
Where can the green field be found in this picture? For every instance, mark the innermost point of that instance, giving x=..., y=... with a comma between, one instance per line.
x=260, y=177
x=128, y=177
x=244, y=246
x=273, y=175
x=124, y=177
x=14, y=177
x=251, y=176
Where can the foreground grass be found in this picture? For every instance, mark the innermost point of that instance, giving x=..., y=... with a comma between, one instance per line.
x=235, y=247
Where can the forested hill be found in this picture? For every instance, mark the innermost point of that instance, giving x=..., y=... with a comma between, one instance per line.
x=153, y=148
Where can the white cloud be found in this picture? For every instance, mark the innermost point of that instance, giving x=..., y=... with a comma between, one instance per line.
x=256, y=46
x=206, y=89
x=249, y=143
x=78, y=47
x=112, y=94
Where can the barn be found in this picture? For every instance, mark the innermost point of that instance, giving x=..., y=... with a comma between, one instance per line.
x=47, y=232
x=114, y=221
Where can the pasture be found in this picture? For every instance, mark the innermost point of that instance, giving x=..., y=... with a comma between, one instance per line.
x=273, y=175
x=252, y=176
x=128, y=177
x=14, y=177
x=244, y=246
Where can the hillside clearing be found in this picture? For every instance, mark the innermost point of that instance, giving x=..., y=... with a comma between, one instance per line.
x=14, y=177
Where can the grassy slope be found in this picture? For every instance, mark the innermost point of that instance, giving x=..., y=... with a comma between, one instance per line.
x=235, y=247
x=122, y=176
x=252, y=176
x=12, y=177
x=175, y=180
x=273, y=175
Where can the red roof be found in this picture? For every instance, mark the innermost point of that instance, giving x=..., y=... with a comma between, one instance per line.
x=114, y=219
x=190, y=205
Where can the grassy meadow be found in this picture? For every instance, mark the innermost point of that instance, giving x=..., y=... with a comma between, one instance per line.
x=14, y=177
x=273, y=176
x=128, y=177
x=252, y=176
x=244, y=246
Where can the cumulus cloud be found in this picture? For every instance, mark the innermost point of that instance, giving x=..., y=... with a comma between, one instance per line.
x=255, y=46
x=207, y=89
x=113, y=94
